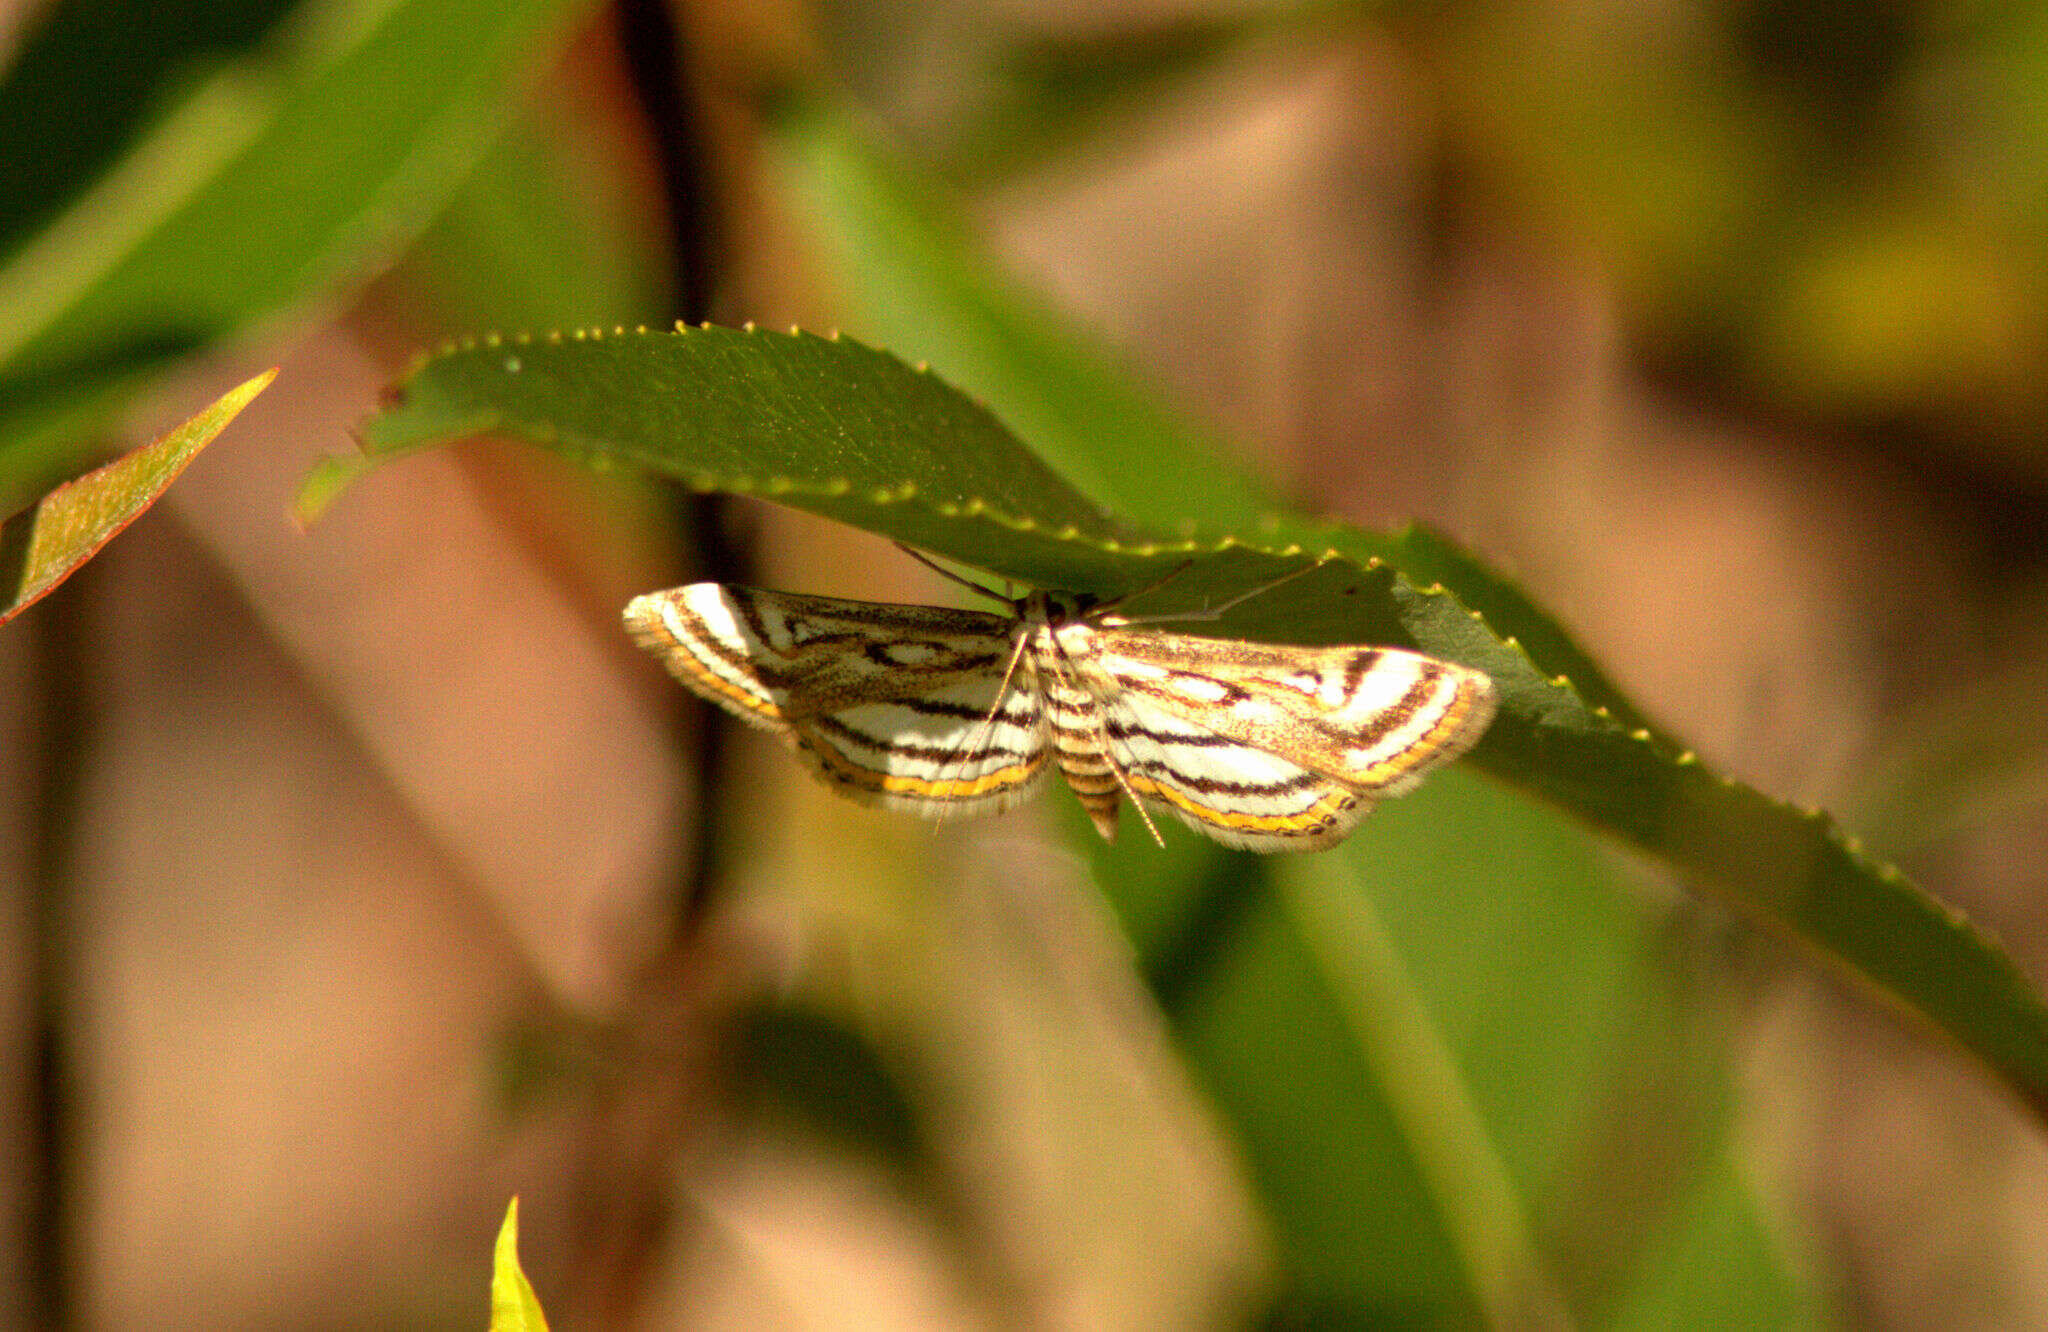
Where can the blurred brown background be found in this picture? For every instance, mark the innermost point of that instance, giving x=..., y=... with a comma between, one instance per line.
x=1720, y=325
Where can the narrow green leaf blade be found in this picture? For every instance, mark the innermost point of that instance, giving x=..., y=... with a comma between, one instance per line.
x=1716, y=1263
x=542, y=233
x=1438, y=1044
x=87, y=77
x=43, y=544
x=1361, y=1236
x=1408, y=1056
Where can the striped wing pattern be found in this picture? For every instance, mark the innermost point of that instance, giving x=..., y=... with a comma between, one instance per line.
x=939, y=711
x=893, y=705
x=1274, y=748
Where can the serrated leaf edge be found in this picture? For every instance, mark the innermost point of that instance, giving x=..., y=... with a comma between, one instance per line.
x=1663, y=750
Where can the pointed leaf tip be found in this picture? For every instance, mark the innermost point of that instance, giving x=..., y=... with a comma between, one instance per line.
x=46, y=542
x=514, y=1307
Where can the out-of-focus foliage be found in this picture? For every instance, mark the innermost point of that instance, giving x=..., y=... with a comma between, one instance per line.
x=1833, y=209
x=249, y=157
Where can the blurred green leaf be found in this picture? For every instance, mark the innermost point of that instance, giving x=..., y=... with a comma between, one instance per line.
x=1714, y=1262
x=1969, y=754
x=45, y=543
x=269, y=178
x=921, y=288
x=89, y=77
x=1461, y=1072
x=540, y=234
x=514, y=1307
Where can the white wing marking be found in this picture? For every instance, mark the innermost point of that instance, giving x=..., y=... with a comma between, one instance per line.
x=1240, y=795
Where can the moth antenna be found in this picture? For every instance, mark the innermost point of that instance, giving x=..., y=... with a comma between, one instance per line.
x=1218, y=612
x=1102, y=607
x=952, y=577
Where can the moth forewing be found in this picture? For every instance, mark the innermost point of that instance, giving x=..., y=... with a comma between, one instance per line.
x=690, y=630
x=1375, y=719
x=771, y=656
x=892, y=705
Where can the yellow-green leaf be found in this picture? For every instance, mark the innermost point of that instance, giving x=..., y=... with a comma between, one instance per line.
x=44, y=543
x=514, y=1307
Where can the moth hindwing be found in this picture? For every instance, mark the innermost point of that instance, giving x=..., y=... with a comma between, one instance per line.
x=1261, y=746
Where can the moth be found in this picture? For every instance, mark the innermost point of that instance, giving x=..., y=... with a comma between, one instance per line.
x=952, y=712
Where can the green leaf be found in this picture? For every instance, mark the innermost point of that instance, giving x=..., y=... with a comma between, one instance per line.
x=1457, y=1066
x=514, y=1307
x=274, y=176
x=923, y=291
x=843, y=431
x=86, y=81
x=1716, y=1264
x=1425, y=558
x=541, y=234
x=821, y=424
x=43, y=544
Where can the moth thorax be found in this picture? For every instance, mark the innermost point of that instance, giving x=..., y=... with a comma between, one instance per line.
x=1056, y=609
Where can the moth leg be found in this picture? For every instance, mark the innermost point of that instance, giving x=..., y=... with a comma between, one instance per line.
x=988, y=723
x=1116, y=770
x=1071, y=676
